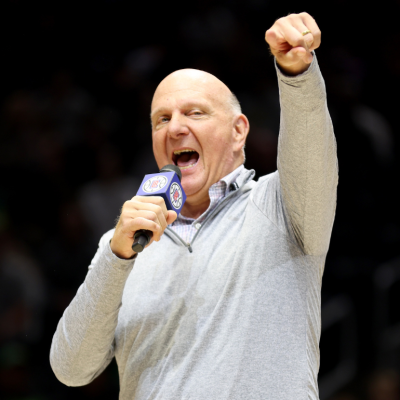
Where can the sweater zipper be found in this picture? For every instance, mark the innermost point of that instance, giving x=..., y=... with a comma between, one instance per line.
x=188, y=245
x=219, y=206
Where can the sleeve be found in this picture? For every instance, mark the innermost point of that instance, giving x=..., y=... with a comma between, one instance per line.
x=83, y=344
x=301, y=196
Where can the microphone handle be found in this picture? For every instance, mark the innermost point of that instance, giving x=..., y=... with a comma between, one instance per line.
x=141, y=240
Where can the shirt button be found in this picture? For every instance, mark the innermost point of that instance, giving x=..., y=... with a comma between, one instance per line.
x=198, y=225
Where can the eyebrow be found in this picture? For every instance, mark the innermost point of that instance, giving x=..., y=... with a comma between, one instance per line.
x=158, y=111
x=188, y=104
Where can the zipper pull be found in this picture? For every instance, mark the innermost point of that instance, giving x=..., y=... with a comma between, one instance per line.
x=189, y=247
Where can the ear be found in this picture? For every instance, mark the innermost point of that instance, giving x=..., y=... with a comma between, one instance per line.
x=241, y=129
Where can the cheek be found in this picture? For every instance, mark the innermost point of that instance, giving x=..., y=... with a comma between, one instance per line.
x=217, y=144
x=159, y=147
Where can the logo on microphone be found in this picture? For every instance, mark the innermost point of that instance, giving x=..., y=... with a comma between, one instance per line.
x=175, y=194
x=155, y=183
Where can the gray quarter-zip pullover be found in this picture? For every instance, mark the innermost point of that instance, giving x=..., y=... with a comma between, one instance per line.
x=237, y=316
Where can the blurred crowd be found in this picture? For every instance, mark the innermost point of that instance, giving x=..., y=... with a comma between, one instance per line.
x=75, y=142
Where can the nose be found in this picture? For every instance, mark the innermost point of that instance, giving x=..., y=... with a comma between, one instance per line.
x=177, y=126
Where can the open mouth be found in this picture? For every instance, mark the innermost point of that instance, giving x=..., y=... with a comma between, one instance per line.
x=185, y=158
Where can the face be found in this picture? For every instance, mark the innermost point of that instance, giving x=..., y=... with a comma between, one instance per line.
x=195, y=128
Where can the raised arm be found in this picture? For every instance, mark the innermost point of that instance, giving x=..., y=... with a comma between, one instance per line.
x=307, y=164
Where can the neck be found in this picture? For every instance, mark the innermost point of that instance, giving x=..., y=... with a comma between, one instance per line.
x=195, y=209
x=195, y=205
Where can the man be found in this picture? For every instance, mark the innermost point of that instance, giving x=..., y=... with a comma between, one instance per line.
x=225, y=301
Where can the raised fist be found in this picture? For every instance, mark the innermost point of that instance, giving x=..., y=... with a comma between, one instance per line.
x=291, y=40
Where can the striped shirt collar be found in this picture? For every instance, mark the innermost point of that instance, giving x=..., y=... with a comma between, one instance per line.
x=230, y=178
x=187, y=227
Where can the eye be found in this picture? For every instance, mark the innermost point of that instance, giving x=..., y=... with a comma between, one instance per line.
x=162, y=120
x=195, y=113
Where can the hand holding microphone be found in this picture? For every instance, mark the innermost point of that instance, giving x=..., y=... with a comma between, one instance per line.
x=145, y=217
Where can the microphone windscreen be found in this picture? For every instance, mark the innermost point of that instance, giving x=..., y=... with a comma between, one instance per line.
x=172, y=168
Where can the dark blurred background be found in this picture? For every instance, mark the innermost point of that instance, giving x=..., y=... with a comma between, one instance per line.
x=75, y=140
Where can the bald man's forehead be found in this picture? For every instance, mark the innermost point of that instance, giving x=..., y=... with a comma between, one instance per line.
x=193, y=80
x=195, y=75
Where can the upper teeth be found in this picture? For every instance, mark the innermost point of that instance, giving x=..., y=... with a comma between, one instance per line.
x=176, y=152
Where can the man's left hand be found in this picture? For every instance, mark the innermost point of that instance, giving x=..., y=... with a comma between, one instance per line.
x=291, y=40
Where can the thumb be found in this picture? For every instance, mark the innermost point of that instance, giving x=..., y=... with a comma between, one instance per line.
x=309, y=41
x=171, y=217
x=297, y=54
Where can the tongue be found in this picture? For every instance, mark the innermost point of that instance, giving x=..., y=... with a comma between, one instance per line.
x=186, y=159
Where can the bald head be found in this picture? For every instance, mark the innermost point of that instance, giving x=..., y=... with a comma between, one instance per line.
x=201, y=81
x=197, y=125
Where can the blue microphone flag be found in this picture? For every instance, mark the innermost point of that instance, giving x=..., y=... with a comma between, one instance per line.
x=168, y=186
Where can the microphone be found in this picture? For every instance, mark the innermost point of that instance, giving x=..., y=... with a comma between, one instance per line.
x=166, y=184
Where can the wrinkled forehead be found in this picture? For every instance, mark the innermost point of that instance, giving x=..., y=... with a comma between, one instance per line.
x=191, y=83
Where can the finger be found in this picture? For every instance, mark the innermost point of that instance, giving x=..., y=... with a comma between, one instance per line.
x=293, y=36
x=309, y=21
x=140, y=223
x=150, y=209
x=273, y=37
x=283, y=34
x=172, y=216
x=129, y=226
x=299, y=25
x=151, y=216
x=160, y=209
x=299, y=50
x=157, y=200
x=276, y=35
x=136, y=210
x=295, y=56
x=132, y=221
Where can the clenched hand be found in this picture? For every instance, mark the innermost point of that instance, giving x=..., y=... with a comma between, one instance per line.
x=141, y=212
x=291, y=40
